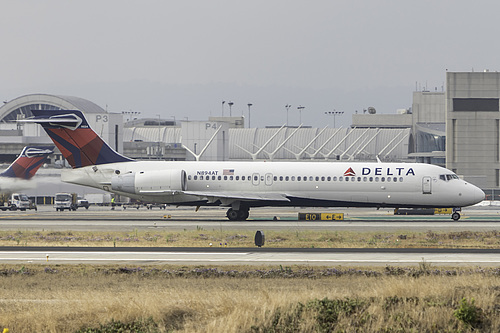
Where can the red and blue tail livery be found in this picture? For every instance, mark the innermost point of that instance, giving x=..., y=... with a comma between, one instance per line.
x=28, y=162
x=72, y=135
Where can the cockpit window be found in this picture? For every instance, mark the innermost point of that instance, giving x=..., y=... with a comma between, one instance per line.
x=448, y=177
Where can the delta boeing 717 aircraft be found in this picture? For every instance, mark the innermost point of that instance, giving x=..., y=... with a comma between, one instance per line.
x=243, y=185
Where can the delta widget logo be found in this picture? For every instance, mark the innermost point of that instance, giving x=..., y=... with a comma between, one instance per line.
x=350, y=172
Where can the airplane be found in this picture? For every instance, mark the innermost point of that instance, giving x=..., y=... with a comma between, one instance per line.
x=16, y=177
x=242, y=185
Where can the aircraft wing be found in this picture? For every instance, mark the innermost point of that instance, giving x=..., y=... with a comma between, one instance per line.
x=243, y=196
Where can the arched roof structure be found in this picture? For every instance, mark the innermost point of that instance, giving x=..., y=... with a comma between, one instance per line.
x=23, y=105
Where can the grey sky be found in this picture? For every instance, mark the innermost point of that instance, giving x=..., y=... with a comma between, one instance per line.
x=182, y=58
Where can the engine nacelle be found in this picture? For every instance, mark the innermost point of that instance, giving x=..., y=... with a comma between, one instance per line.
x=154, y=181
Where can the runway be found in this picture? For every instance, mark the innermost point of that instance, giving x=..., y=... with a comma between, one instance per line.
x=362, y=220
x=249, y=256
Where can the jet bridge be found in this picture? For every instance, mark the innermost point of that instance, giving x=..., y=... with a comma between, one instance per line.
x=353, y=144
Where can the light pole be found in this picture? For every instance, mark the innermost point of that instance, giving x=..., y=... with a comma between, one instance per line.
x=287, y=107
x=230, y=107
x=300, y=108
x=223, y=107
x=159, y=136
x=249, y=105
x=334, y=114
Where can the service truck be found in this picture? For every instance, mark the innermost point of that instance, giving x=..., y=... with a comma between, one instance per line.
x=15, y=201
x=65, y=201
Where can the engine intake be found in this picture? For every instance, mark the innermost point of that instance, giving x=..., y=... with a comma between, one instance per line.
x=160, y=181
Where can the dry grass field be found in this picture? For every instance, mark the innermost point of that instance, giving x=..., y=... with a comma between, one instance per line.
x=86, y=298
x=206, y=299
x=243, y=238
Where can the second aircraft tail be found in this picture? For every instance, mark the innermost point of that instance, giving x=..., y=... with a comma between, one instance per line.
x=28, y=162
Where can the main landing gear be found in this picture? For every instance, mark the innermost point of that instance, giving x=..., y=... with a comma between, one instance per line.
x=237, y=214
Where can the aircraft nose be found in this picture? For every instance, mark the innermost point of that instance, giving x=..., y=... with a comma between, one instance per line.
x=472, y=194
x=478, y=194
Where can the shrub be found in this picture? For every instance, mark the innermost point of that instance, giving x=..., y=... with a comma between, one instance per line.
x=468, y=313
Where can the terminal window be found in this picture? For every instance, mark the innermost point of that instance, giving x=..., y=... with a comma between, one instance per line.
x=475, y=104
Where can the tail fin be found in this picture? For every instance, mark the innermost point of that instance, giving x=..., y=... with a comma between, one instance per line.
x=78, y=143
x=28, y=162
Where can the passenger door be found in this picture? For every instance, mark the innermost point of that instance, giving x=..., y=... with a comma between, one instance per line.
x=426, y=185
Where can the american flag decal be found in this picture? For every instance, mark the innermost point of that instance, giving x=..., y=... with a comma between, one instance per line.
x=228, y=172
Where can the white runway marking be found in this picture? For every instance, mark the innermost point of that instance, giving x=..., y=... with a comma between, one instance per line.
x=250, y=258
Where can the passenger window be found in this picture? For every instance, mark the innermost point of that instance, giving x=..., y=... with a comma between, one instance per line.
x=281, y=178
x=242, y=177
x=213, y=177
x=237, y=177
x=376, y=179
x=293, y=178
x=371, y=179
x=275, y=178
x=299, y=178
x=256, y=178
x=340, y=179
x=388, y=179
x=359, y=179
x=230, y=177
x=219, y=178
x=401, y=179
x=195, y=177
x=225, y=177
x=395, y=179
x=305, y=178
x=346, y=179
x=382, y=179
x=317, y=178
x=286, y=178
x=311, y=178
x=322, y=178
x=365, y=179
x=328, y=178
x=189, y=177
x=201, y=177
x=335, y=178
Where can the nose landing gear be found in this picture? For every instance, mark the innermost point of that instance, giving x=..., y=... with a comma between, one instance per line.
x=456, y=214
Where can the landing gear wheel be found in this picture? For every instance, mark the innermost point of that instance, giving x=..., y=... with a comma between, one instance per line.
x=232, y=214
x=237, y=215
x=455, y=216
x=243, y=215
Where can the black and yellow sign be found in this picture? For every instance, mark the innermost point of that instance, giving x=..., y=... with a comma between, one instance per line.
x=321, y=216
x=443, y=211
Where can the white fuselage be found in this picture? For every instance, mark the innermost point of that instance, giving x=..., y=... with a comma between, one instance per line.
x=314, y=184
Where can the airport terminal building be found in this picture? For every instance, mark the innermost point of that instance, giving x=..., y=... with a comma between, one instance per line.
x=457, y=128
